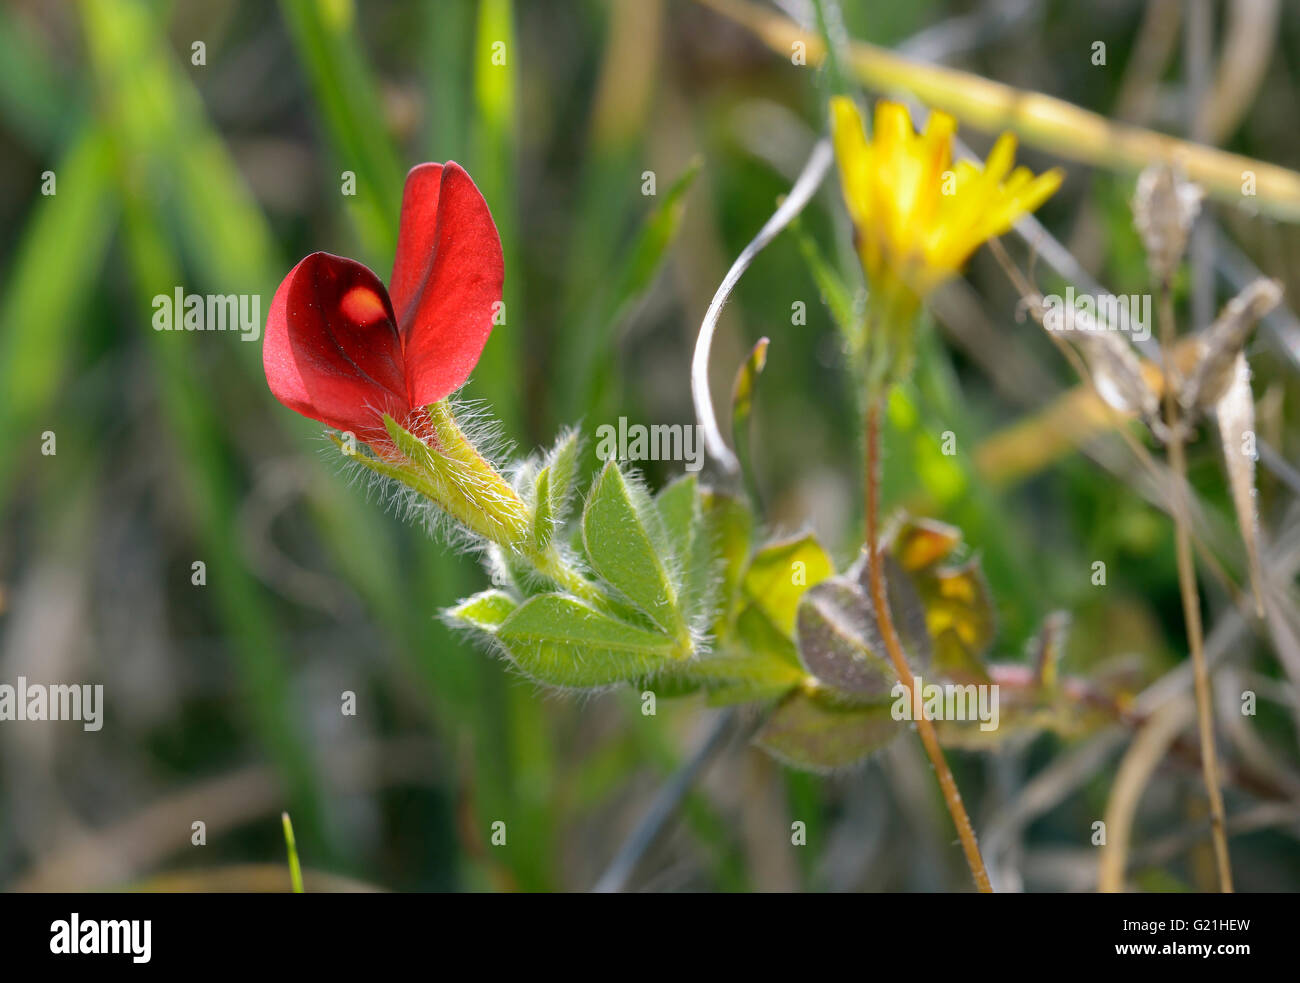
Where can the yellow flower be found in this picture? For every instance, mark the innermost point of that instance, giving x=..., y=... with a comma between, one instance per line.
x=918, y=217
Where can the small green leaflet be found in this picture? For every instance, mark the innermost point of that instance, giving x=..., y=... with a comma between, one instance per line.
x=543, y=509
x=561, y=641
x=486, y=611
x=623, y=551
x=779, y=574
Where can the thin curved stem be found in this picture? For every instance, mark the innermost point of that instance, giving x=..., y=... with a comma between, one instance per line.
x=947, y=784
x=1191, y=600
x=666, y=802
x=810, y=179
x=1140, y=761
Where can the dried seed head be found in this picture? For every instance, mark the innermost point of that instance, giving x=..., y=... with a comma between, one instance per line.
x=1221, y=343
x=1235, y=413
x=1117, y=375
x=1164, y=208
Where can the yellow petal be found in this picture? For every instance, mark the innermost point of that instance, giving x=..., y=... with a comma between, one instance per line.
x=1040, y=189
x=936, y=149
x=908, y=231
x=853, y=155
x=893, y=127
x=1000, y=158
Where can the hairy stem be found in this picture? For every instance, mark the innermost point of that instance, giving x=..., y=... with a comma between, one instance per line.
x=485, y=494
x=875, y=562
x=551, y=565
x=1191, y=600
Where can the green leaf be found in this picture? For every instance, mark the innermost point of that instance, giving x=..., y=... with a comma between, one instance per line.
x=561, y=641
x=839, y=640
x=742, y=403
x=817, y=735
x=686, y=534
x=543, y=509
x=678, y=508
x=835, y=293
x=563, y=464
x=746, y=678
x=486, y=611
x=740, y=677
x=672, y=685
x=623, y=551
x=729, y=526
x=756, y=633
x=647, y=253
x=779, y=574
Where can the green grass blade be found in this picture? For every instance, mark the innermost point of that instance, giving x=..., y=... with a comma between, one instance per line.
x=54, y=272
x=295, y=869
x=499, y=376
x=325, y=38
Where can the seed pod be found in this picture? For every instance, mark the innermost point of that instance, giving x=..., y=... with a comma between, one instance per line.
x=1235, y=412
x=1222, y=342
x=1165, y=207
x=1117, y=375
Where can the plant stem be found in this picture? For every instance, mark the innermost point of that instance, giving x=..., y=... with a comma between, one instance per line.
x=951, y=795
x=550, y=564
x=664, y=807
x=1191, y=600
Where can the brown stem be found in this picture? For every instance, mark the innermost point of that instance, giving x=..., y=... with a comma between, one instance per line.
x=951, y=796
x=1191, y=601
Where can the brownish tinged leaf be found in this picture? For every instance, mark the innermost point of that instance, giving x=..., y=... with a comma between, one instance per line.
x=839, y=641
x=814, y=734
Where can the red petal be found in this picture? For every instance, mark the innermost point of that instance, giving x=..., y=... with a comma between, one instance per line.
x=447, y=277
x=419, y=222
x=332, y=351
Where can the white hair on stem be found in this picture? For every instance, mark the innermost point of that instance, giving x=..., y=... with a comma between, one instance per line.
x=480, y=429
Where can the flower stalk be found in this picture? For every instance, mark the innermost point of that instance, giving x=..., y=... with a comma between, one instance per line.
x=446, y=468
x=880, y=602
x=917, y=217
x=1190, y=597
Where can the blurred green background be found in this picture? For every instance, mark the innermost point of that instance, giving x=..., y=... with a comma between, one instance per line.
x=223, y=699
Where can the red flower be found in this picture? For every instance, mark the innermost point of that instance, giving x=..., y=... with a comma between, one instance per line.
x=341, y=349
